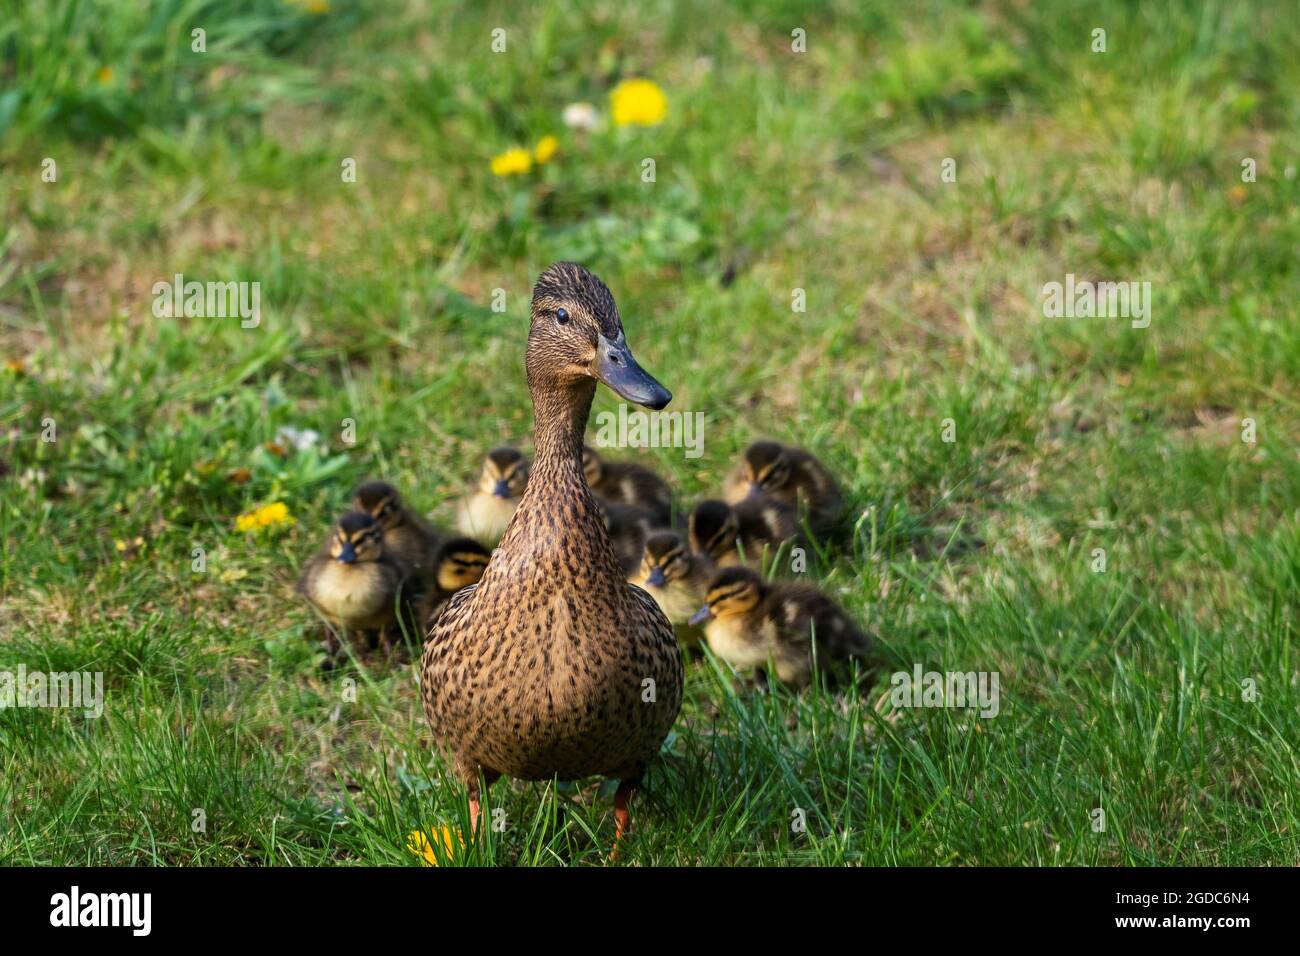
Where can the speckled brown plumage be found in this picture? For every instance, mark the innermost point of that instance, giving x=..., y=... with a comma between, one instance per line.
x=540, y=669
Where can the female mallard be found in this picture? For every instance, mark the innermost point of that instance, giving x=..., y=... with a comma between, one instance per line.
x=553, y=665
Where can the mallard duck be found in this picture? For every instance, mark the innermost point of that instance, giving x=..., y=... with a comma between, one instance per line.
x=673, y=576
x=747, y=623
x=354, y=583
x=627, y=483
x=791, y=476
x=732, y=535
x=553, y=665
x=407, y=538
x=486, y=511
x=459, y=563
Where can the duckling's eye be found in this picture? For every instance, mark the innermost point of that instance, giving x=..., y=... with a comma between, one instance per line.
x=562, y=315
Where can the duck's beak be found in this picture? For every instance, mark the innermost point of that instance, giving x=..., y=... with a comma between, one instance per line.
x=657, y=578
x=501, y=489
x=700, y=616
x=347, y=554
x=615, y=366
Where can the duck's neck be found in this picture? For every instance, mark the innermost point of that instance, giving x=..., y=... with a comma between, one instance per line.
x=559, y=423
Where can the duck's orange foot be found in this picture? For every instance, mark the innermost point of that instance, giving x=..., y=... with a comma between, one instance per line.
x=622, y=819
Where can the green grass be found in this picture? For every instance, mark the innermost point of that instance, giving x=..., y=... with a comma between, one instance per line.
x=819, y=171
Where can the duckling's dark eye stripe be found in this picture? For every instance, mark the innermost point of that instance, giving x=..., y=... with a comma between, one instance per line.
x=736, y=591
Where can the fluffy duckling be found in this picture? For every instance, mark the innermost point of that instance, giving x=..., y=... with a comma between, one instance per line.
x=791, y=476
x=353, y=582
x=747, y=623
x=628, y=528
x=407, y=538
x=733, y=535
x=459, y=563
x=673, y=576
x=486, y=512
x=627, y=483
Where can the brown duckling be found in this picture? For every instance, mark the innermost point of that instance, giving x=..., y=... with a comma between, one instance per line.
x=459, y=563
x=628, y=528
x=485, y=512
x=673, y=576
x=627, y=483
x=732, y=535
x=354, y=583
x=747, y=623
x=789, y=475
x=407, y=538
x=553, y=665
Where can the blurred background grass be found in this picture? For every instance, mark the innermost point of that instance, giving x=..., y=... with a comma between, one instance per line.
x=775, y=171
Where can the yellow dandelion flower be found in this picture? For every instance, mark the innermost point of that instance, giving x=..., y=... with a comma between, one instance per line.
x=546, y=148
x=105, y=75
x=418, y=843
x=638, y=103
x=512, y=161
x=274, y=515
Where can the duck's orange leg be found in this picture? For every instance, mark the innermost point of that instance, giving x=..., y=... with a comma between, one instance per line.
x=622, y=819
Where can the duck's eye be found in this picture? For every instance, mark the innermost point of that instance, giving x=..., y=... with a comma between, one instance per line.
x=562, y=315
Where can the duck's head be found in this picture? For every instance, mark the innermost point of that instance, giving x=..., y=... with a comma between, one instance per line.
x=713, y=527
x=733, y=591
x=505, y=473
x=576, y=334
x=357, y=538
x=460, y=563
x=666, y=559
x=766, y=467
x=381, y=501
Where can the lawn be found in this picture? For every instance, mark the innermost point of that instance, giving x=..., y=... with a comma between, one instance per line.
x=843, y=248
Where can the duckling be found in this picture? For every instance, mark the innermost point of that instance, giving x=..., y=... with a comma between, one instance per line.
x=486, y=512
x=553, y=665
x=627, y=483
x=407, y=538
x=627, y=528
x=747, y=622
x=673, y=576
x=459, y=563
x=732, y=535
x=353, y=582
x=791, y=476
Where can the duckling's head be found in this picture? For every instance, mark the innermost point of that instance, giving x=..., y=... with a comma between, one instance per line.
x=505, y=473
x=713, y=527
x=576, y=334
x=732, y=591
x=666, y=559
x=766, y=467
x=460, y=563
x=592, y=467
x=357, y=538
x=381, y=501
